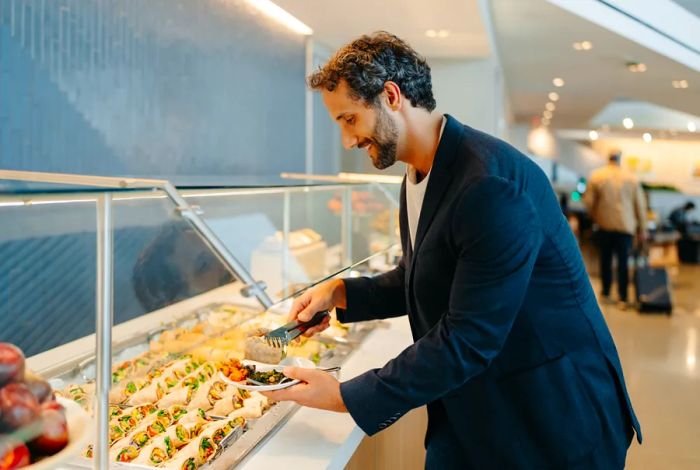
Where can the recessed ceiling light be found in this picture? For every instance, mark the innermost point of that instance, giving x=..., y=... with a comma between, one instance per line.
x=636, y=67
x=692, y=127
x=583, y=46
x=550, y=106
x=431, y=33
x=547, y=114
x=553, y=96
x=443, y=33
x=593, y=135
x=680, y=83
x=558, y=82
x=628, y=123
x=545, y=122
x=647, y=137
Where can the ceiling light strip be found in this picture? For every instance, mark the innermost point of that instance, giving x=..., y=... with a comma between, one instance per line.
x=282, y=16
x=651, y=27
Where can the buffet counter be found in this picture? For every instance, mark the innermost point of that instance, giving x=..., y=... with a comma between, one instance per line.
x=316, y=439
x=180, y=385
x=308, y=438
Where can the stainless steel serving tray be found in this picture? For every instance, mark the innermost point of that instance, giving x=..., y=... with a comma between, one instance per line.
x=80, y=370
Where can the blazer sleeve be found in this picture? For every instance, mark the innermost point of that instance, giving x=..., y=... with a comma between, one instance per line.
x=372, y=298
x=498, y=235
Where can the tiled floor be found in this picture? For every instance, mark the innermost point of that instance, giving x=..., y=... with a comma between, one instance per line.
x=661, y=361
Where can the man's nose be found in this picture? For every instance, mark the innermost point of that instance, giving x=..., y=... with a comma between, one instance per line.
x=349, y=141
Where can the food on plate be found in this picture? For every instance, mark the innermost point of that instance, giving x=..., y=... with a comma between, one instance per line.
x=268, y=377
x=237, y=372
x=18, y=406
x=234, y=370
x=35, y=424
x=11, y=364
x=13, y=454
x=39, y=387
x=54, y=432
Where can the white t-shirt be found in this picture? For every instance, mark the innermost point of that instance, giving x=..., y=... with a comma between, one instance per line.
x=415, y=193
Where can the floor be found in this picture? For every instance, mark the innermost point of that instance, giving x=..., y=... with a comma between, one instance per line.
x=660, y=359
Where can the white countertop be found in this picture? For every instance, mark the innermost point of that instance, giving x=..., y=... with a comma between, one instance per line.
x=316, y=439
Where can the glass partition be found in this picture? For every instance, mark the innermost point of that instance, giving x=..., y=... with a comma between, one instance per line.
x=47, y=270
x=292, y=237
x=179, y=272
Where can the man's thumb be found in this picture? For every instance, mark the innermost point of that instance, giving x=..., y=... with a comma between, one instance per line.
x=299, y=373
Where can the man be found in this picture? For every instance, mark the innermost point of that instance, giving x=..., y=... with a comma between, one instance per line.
x=616, y=203
x=511, y=356
x=679, y=217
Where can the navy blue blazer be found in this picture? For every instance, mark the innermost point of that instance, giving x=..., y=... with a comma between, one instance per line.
x=509, y=340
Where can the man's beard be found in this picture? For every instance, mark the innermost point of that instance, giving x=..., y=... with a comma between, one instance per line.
x=384, y=139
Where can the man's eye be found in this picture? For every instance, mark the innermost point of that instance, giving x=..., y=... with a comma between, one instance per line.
x=350, y=120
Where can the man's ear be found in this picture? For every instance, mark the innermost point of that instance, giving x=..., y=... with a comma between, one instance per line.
x=392, y=95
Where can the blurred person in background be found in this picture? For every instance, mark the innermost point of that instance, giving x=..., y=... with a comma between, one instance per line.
x=679, y=217
x=616, y=203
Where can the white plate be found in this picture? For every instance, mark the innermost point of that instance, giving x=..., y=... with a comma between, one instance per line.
x=80, y=426
x=259, y=366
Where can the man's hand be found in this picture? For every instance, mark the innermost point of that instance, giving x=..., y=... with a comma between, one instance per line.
x=318, y=390
x=325, y=296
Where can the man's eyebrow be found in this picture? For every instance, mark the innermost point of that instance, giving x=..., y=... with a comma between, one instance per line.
x=340, y=116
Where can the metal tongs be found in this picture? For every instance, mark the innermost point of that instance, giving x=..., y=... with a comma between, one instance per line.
x=280, y=337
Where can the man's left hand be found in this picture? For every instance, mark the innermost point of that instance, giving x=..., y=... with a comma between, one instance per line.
x=318, y=390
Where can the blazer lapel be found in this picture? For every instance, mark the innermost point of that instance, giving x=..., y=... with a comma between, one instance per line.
x=440, y=177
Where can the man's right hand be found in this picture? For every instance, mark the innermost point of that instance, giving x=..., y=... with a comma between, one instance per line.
x=325, y=296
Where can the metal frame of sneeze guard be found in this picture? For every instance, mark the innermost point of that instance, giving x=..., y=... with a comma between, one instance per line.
x=104, y=294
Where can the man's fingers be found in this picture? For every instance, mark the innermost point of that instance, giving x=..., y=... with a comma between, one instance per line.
x=297, y=306
x=318, y=328
x=286, y=394
x=301, y=373
x=309, y=311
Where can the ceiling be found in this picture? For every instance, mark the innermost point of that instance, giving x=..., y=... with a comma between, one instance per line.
x=534, y=40
x=337, y=22
x=692, y=6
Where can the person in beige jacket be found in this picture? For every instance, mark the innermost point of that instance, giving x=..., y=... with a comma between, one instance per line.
x=616, y=203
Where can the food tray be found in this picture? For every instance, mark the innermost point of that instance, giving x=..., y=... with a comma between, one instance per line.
x=257, y=430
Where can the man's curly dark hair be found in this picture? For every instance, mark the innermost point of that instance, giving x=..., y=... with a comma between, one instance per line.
x=370, y=61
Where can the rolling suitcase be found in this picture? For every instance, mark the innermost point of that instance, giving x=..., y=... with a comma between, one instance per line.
x=652, y=289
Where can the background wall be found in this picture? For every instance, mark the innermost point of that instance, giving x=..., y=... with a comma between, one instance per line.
x=578, y=158
x=149, y=87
